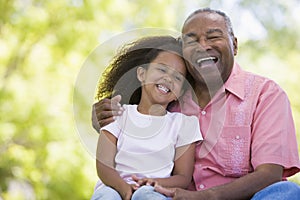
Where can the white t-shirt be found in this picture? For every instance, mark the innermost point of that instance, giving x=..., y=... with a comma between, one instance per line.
x=146, y=144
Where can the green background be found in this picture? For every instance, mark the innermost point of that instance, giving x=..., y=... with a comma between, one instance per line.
x=43, y=46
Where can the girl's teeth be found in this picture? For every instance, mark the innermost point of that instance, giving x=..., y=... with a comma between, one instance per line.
x=164, y=89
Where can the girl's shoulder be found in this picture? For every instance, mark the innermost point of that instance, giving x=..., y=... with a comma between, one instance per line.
x=179, y=115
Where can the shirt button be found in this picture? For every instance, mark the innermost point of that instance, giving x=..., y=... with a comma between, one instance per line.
x=237, y=137
x=201, y=186
x=203, y=112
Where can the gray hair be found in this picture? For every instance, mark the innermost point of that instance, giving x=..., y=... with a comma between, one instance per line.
x=209, y=10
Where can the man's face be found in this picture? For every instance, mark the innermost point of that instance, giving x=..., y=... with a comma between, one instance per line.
x=208, y=47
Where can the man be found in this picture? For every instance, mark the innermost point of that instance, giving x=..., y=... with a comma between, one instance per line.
x=246, y=120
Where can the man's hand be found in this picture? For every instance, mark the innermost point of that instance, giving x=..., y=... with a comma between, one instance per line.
x=104, y=111
x=169, y=192
x=179, y=194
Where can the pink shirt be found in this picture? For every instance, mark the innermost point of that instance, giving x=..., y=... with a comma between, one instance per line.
x=246, y=124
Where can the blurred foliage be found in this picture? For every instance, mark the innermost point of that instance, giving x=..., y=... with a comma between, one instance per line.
x=43, y=45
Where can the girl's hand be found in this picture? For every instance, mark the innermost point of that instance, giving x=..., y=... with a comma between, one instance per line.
x=144, y=181
x=126, y=191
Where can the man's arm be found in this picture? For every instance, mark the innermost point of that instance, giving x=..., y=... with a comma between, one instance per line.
x=242, y=188
x=103, y=111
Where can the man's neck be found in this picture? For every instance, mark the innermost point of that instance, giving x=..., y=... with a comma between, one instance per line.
x=205, y=94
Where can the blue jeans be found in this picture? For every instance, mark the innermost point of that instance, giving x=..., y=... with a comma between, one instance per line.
x=106, y=193
x=283, y=190
x=143, y=193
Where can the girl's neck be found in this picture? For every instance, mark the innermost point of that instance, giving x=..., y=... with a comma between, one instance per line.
x=155, y=109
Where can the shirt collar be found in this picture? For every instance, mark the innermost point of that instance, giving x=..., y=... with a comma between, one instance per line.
x=234, y=84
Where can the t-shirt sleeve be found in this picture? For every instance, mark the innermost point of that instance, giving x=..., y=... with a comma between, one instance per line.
x=189, y=131
x=113, y=128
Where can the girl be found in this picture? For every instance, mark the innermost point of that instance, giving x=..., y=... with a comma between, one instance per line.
x=147, y=145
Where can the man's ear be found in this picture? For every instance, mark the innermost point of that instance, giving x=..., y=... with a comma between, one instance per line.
x=140, y=73
x=235, y=46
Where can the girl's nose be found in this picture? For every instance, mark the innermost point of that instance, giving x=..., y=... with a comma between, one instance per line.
x=167, y=78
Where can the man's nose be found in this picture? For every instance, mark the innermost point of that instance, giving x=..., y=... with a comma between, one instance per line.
x=203, y=45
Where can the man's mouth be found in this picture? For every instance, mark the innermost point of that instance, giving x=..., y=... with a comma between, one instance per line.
x=207, y=61
x=163, y=88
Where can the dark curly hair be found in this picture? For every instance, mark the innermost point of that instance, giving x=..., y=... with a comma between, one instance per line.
x=120, y=76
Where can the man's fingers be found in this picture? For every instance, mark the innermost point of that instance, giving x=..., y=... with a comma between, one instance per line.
x=107, y=109
x=104, y=111
x=106, y=121
x=116, y=98
x=169, y=192
x=107, y=114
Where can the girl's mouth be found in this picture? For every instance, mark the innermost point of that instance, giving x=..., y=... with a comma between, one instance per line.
x=163, y=88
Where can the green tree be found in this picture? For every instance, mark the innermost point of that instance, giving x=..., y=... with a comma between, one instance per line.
x=43, y=46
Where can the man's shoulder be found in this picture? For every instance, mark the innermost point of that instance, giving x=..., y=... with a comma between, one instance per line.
x=254, y=78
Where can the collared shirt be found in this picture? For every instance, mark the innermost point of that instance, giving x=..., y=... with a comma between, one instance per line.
x=247, y=123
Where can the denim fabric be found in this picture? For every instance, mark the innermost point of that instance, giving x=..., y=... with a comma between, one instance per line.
x=283, y=190
x=147, y=193
x=143, y=193
x=106, y=193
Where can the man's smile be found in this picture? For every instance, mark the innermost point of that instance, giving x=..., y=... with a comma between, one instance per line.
x=207, y=61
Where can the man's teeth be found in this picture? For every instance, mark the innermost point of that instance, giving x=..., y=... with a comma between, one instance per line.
x=206, y=59
x=163, y=88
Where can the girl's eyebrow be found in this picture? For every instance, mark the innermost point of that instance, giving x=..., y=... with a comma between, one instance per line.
x=169, y=67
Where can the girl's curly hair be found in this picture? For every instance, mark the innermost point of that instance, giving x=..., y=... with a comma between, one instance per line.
x=120, y=76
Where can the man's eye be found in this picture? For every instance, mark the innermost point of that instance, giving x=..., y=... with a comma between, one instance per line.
x=189, y=41
x=213, y=37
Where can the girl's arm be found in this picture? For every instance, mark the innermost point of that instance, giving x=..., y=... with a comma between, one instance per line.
x=106, y=151
x=182, y=171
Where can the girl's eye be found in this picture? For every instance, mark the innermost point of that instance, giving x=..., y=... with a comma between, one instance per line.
x=178, y=78
x=162, y=69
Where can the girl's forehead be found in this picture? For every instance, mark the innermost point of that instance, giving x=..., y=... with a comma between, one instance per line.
x=171, y=60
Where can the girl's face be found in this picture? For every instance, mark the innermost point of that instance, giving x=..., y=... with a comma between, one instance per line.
x=162, y=81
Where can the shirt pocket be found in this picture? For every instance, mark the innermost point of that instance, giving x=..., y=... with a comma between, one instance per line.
x=233, y=149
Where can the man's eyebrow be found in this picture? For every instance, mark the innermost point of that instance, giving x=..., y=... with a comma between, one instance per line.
x=210, y=31
x=214, y=30
x=188, y=35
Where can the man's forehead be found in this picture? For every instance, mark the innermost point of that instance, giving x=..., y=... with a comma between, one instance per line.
x=205, y=16
x=211, y=21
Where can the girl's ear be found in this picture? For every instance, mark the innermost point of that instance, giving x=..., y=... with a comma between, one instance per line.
x=140, y=73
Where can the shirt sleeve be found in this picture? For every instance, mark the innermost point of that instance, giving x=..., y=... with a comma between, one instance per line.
x=274, y=138
x=189, y=131
x=114, y=128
